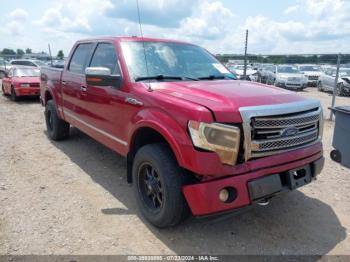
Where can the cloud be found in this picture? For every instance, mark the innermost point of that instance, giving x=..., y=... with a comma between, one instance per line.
x=319, y=26
x=162, y=13
x=18, y=14
x=291, y=9
x=73, y=16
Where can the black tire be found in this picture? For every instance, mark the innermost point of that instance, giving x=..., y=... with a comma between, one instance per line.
x=336, y=156
x=57, y=129
x=340, y=90
x=159, y=192
x=14, y=97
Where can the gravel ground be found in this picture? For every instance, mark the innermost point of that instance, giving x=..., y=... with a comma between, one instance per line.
x=72, y=198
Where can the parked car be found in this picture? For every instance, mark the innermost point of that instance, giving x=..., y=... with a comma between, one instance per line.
x=21, y=81
x=4, y=67
x=312, y=73
x=327, y=81
x=267, y=74
x=58, y=63
x=194, y=138
x=289, y=77
x=238, y=70
x=28, y=62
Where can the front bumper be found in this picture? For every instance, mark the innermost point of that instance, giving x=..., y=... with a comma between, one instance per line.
x=27, y=91
x=292, y=86
x=203, y=198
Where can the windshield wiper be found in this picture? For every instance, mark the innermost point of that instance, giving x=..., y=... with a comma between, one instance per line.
x=157, y=77
x=211, y=77
x=162, y=77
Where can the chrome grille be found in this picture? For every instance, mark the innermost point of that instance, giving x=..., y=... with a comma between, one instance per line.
x=280, y=128
x=271, y=133
x=313, y=77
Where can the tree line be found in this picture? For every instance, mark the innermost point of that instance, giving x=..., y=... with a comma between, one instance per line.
x=288, y=59
x=20, y=52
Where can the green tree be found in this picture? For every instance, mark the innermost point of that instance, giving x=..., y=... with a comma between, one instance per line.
x=28, y=51
x=60, y=54
x=20, y=52
x=7, y=51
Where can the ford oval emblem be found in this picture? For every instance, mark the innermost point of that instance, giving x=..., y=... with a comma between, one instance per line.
x=289, y=131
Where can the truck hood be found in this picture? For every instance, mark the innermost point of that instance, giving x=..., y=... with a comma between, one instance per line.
x=225, y=97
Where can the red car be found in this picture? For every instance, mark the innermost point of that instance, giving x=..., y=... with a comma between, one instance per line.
x=195, y=138
x=21, y=81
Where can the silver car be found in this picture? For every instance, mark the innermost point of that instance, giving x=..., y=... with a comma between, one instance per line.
x=312, y=73
x=327, y=81
x=289, y=77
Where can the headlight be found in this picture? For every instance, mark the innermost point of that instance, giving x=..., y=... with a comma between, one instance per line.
x=282, y=78
x=219, y=138
x=24, y=85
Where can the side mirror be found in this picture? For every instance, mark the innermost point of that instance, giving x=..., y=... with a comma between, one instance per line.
x=102, y=76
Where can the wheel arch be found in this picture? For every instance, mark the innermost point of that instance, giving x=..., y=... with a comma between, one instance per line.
x=151, y=133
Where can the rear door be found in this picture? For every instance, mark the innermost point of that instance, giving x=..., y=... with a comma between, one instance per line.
x=73, y=83
x=104, y=104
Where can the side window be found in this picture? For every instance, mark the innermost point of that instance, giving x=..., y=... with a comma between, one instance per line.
x=105, y=56
x=79, y=59
x=15, y=63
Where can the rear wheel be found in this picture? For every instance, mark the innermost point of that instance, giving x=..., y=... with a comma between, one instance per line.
x=57, y=129
x=319, y=86
x=158, y=184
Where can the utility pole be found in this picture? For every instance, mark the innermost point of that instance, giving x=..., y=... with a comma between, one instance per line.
x=245, y=56
x=50, y=53
x=335, y=86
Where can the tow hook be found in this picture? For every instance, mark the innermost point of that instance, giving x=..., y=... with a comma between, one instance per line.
x=263, y=202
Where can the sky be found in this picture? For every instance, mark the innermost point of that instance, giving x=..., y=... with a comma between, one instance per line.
x=275, y=26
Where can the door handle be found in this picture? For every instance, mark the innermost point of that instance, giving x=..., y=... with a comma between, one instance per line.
x=83, y=88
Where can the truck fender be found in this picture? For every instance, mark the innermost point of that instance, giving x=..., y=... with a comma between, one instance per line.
x=50, y=94
x=166, y=126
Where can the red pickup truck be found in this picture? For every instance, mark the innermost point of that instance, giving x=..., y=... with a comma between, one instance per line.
x=195, y=138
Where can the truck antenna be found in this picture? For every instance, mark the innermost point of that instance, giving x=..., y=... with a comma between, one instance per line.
x=143, y=43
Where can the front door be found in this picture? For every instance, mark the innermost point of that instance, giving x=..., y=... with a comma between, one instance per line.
x=103, y=104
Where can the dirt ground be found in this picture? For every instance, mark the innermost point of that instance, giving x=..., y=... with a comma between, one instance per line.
x=72, y=197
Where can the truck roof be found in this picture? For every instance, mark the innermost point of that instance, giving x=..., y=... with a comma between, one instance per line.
x=130, y=38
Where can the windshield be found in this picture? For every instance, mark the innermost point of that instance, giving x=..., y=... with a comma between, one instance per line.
x=39, y=63
x=309, y=68
x=288, y=69
x=21, y=72
x=344, y=71
x=270, y=68
x=171, y=59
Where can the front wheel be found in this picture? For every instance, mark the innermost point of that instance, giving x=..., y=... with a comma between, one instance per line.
x=57, y=129
x=14, y=97
x=158, y=181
